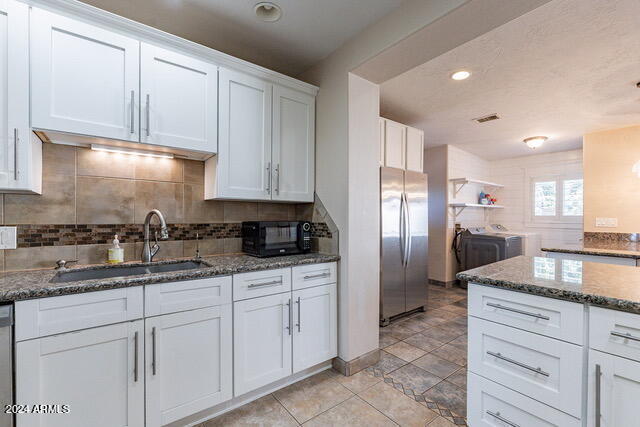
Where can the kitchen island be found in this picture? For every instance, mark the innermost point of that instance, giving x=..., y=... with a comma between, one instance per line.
x=553, y=341
x=609, y=252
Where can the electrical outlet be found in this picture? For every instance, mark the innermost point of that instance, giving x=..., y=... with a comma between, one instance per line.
x=606, y=222
x=8, y=237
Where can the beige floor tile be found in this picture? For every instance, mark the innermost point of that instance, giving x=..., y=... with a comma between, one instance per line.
x=405, y=351
x=441, y=422
x=452, y=354
x=400, y=331
x=436, y=365
x=353, y=413
x=386, y=339
x=423, y=342
x=358, y=382
x=266, y=411
x=312, y=396
x=395, y=405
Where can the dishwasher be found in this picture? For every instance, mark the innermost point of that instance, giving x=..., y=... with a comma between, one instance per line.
x=6, y=363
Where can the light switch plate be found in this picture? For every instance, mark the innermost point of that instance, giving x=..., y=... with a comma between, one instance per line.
x=606, y=222
x=8, y=237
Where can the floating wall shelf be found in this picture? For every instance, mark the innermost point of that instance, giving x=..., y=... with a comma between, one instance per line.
x=458, y=183
x=459, y=207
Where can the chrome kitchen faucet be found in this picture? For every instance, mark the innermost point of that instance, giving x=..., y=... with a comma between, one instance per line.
x=147, y=251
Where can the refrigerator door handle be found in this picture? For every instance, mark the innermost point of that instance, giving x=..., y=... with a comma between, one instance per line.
x=402, y=230
x=408, y=231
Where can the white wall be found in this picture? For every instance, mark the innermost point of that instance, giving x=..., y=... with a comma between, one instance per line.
x=516, y=174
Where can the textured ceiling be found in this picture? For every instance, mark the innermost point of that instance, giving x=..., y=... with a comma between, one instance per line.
x=308, y=31
x=564, y=69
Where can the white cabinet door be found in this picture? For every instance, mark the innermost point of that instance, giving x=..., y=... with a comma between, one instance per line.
x=179, y=100
x=84, y=79
x=415, y=149
x=20, y=157
x=262, y=341
x=188, y=362
x=244, y=147
x=98, y=372
x=293, y=145
x=315, y=337
x=618, y=388
x=395, y=135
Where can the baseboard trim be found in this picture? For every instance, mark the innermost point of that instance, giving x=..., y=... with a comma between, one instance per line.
x=449, y=284
x=358, y=364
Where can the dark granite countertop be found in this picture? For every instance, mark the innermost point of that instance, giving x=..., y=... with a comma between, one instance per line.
x=37, y=283
x=606, y=285
x=601, y=248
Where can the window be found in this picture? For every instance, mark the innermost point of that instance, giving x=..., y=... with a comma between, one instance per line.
x=557, y=199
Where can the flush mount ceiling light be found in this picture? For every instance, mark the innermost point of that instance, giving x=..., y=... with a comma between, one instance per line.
x=535, y=141
x=461, y=75
x=267, y=11
x=132, y=151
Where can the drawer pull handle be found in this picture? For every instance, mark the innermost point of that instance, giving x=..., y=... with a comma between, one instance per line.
x=135, y=357
x=497, y=416
x=290, y=309
x=625, y=336
x=154, y=364
x=515, y=362
x=317, y=276
x=515, y=310
x=261, y=285
x=598, y=396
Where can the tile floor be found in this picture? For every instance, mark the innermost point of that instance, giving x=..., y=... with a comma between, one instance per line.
x=419, y=381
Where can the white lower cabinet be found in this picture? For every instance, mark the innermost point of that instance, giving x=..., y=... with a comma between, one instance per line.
x=315, y=326
x=98, y=372
x=490, y=404
x=262, y=338
x=614, y=391
x=188, y=363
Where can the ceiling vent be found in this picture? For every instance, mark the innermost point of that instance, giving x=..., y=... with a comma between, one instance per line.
x=488, y=118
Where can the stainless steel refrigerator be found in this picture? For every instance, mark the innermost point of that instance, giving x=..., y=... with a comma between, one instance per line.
x=404, y=242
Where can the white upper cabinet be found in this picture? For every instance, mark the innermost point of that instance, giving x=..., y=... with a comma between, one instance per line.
x=20, y=153
x=414, y=149
x=293, y=145
x=189, y=363
x=84, y=79
x=98, y=372
x=244, y=148
x=179, y=104
x=401, y=146
x=395, y=136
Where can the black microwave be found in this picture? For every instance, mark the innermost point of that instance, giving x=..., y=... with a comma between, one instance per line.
x=273, y=238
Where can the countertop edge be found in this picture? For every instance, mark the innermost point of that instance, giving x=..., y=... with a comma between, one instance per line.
x=578, y=297
x=79, y=287
x=596, y=252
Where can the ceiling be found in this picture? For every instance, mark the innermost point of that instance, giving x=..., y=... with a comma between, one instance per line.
x=567, y=68
x=307, y=32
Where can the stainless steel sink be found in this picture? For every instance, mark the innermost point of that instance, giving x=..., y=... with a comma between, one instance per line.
x=124, y=271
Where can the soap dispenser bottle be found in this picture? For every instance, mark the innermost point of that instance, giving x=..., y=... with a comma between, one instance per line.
x=116, y=253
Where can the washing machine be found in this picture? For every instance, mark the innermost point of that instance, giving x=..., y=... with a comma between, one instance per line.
x=530, y=240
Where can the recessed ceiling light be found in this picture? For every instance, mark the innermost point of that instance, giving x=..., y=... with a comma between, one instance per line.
x=267, y=11
x=535, y=141
x=461, y=75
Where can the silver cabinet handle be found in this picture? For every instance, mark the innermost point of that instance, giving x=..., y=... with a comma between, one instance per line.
x=497, y=416
x=148, y=115
x=15, y=153
x=625, y=336
x=598, y=394
x=132, y=118
x=317, y=276
x=135, y=357
x=278, y=178
x=515, y=310
x=268, y=188
x=515, y=362
x=299, y=319
x=290, y=308
x=153, y=351
x=262, y=285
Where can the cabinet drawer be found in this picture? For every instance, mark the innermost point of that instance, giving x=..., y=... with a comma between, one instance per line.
x=307, y=276
x=172, y=297
x=261, y=283
x=615, y=332
x=47, y=316
x=490, y=404
x=546, y=316
x=545, y=369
